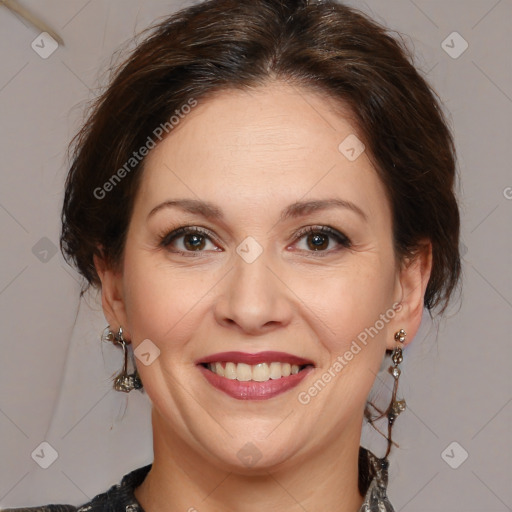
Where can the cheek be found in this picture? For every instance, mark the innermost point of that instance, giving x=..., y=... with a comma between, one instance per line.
x=352, y=297
x=157, y=300
x=355, y=309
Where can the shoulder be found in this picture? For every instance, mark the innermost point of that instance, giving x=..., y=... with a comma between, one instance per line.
x=46, y=508
x=119, y=497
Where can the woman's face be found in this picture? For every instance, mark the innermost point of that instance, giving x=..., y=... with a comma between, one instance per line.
x=253, y=171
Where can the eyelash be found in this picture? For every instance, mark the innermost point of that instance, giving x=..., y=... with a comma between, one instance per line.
x=343, y=240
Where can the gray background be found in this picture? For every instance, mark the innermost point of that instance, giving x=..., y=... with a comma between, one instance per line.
x=54, y=373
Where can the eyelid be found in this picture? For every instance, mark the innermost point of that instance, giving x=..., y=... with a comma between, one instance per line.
x=341, y=238
x=324, y=230
x=185, y=230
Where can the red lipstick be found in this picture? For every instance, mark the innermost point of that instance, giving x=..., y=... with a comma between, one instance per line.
x=254, y=390
x=260, y=357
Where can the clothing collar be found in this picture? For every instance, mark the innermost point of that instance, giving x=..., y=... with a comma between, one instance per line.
x=373, y=483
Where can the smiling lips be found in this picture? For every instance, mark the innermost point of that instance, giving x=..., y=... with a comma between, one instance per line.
x=254, y=376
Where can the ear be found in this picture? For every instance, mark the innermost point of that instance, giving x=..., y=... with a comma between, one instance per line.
x=412, y=283
x=112, y=298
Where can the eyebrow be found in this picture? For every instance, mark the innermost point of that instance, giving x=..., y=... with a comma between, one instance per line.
x=297, y=209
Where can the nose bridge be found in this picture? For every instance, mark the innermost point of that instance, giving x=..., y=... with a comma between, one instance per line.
x=253, y=298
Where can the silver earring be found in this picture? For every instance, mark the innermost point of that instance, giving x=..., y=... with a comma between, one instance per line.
x=396, y=406
x=123, y=382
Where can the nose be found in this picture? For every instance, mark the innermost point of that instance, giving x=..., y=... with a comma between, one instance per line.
x=254, y=298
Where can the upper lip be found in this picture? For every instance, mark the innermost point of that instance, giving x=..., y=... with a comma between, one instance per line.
x=252, y=359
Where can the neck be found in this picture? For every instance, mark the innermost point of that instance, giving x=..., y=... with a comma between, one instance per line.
x=326, y=480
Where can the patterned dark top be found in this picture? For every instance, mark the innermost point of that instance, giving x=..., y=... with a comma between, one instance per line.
x=120, y=498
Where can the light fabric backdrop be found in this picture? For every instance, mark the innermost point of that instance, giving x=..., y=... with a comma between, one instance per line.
x=54, y=373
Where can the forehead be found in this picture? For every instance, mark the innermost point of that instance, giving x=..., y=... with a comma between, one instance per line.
x=273, y=144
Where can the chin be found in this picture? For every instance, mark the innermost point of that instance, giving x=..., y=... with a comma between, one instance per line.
x=250, y=459
x=250, y=455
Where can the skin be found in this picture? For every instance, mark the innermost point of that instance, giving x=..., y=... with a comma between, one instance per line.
x=252, y=154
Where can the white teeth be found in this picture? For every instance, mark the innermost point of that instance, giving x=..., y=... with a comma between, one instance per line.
x=275, y=370
x=260, y=372
x=219, y=370
x=243, y=372
x=230, y=371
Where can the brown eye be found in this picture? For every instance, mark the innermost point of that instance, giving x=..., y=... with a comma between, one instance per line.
x=317, y=241
x=188, y=240
x=194, y=242
x=319, y=238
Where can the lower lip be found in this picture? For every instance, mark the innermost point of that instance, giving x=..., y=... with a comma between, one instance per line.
x=252, y=390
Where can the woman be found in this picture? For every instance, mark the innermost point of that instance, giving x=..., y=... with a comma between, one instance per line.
x=264, y=196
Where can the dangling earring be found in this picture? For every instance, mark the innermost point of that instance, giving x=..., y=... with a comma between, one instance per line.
x=123, y=382
x=396, y=406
